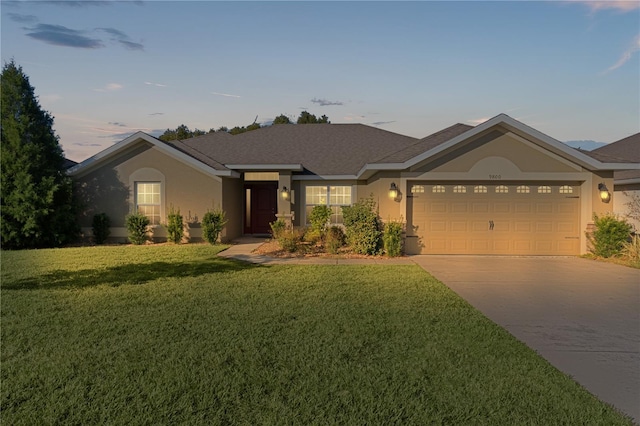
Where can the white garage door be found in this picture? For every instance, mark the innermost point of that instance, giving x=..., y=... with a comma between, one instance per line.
x=495, y=218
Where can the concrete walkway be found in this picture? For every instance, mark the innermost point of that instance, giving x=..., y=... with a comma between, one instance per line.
x=580, y=315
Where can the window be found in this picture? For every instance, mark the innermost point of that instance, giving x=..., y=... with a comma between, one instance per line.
x=480, y=189
x=566, y=189
x=523, y=189
x=438, y=189
x=544, y=190
x=148, y=200
x=417, y=189
x=333, y=196
x=460, y=189
x=502, y=189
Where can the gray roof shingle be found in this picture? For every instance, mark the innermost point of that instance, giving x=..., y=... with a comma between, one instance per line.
x=623, y=151
x=323, y=149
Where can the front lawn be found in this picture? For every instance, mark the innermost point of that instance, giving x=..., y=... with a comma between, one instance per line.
x=173, y=334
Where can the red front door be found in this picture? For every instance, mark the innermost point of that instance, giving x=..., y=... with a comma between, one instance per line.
x=262, y=209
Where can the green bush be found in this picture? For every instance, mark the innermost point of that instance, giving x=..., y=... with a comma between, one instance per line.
x=289, y=240
x=319, y=219
x=213, y=223
x=392, y=238
x=363, y=226
x=100, y=227
x=137, y=227
x=312, y=236
x=334, y=240
x=609, y=236
x=175, y=226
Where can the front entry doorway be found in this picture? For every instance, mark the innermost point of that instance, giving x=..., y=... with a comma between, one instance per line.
x=261, y=205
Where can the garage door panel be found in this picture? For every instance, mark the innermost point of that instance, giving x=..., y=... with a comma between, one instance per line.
x=449, y=222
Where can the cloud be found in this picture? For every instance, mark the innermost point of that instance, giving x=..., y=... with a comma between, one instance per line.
x=117, y=123
x=122, y=38
x=620, y=6
x=157, y=113
x=59, y=35
x=23, y=19
x=86, y=144
x=148, y=83
x=109, y=87
x=382, y=123
x=634, y=48
x=226, y=95
x=83, y=3
x=324, y=102
x=352, y=117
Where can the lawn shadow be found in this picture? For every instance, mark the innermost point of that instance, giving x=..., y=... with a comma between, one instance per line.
x=129, y=274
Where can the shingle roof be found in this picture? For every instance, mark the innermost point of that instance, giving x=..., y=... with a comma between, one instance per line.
x=180, y=146
x=426, y=144
x=622, y=151
x=323, y=149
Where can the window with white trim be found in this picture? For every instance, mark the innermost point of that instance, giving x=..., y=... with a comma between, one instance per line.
x=148, y=200
x=544, y=189
x=565, y=189
x=333, y=196
x=502, y=189
x=523, y=189
x=438, y=189
x=460, y=189
x=480, y=189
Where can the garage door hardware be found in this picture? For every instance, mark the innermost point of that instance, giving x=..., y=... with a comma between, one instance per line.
x=491, y=225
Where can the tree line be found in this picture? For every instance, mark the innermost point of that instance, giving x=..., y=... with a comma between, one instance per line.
x=183, y=132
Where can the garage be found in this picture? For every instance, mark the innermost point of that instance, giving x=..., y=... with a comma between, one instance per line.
x=501, y=218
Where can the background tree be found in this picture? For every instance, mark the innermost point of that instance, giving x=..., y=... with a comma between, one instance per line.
x=38, y=207
x=308, y=118
x=281, y=119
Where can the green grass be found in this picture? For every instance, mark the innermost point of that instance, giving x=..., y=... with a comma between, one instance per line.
x=174, y=334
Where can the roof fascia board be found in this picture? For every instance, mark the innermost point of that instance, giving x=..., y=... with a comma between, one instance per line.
x=274, y=167
x=626, y=181
x=324, y=177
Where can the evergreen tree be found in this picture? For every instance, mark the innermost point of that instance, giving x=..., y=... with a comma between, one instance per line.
x=38, y=205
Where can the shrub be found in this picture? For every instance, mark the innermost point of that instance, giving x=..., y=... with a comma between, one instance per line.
x=631, y=249
x=175, y=226
x=319, y=219
x=609, y=236
x=392, y=238
x=100, y=228
x=213, y=223
x=313, y=236
x=334, y=240
x=289, y=240
x=137, y=227
x=277, y=228
x=363, y=226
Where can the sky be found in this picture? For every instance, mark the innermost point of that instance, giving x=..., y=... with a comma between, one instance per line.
x=105, y=69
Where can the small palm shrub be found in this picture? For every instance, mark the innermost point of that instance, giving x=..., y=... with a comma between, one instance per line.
x=175, y=226
x=100, y=227
x=137, y=226
x=363, y=226
x=277, y=228
x=392, y=238
x=609, y=236
x=213, y=223
x=334, y=239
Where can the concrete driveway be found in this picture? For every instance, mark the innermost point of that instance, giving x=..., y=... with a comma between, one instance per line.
x=582, y=316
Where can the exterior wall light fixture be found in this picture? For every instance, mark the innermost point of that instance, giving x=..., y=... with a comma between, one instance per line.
x=285, y=193
x=393, y=191
x=605, y=195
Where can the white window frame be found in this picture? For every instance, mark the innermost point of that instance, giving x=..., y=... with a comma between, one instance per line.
x=154, y=218
x=336, y=208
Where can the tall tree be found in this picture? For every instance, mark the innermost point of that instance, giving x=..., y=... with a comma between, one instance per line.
x=38, y=205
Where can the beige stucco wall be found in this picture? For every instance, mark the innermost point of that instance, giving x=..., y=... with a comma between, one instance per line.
x=233, y=204
x=110, y=189
x=622, y=196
